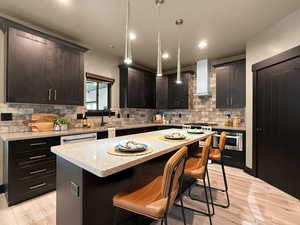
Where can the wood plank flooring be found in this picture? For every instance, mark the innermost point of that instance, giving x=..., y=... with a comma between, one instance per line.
x=253, y=202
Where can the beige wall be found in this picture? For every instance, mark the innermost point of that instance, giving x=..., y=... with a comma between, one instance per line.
x=277, y=38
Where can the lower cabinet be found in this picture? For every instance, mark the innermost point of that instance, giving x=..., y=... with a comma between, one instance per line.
x=29, y=168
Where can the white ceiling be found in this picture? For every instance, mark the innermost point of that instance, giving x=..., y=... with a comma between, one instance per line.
x=225, y=24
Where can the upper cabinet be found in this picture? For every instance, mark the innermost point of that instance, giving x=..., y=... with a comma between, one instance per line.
x=170, y=95
x=231, y=85
x=137, y=88
x=42, y=69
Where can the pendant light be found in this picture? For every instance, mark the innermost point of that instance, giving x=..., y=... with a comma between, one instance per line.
x=128, y=53
x=178, y=79
x=159, y=54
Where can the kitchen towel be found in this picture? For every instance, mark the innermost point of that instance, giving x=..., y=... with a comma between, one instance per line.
x=111, y=132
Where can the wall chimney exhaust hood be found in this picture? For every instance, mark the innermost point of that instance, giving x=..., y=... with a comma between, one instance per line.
x=203, y=78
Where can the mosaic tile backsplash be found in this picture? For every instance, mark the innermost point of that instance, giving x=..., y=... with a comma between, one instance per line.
x=202, y=109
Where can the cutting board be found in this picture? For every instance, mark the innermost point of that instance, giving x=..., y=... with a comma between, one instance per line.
x=43, y=117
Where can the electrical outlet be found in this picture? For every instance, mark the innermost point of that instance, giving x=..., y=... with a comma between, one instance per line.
x=74, y=188
x=80, y=116
x=6, y=117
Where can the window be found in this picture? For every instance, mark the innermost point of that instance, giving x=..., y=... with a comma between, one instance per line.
x=98, y=94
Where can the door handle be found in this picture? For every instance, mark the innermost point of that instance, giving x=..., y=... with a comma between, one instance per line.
x=230, y=100
x=49, y=94
x=55, y=95
x=259, y=129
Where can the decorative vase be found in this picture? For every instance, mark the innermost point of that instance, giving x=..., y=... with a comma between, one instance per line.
x=63, y=127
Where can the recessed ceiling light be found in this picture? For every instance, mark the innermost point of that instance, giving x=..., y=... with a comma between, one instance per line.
x=202, y=44
x=132, y=36
x=165, y=55
x=65, y=2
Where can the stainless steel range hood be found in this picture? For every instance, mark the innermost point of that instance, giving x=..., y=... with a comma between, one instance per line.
x=203, y=78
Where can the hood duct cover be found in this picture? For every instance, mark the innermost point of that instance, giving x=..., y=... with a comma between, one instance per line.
x=203, y=78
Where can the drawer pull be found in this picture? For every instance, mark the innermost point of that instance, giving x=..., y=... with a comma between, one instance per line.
x=37, y=186
x=228, y=157
x=37, y=171
x=38, y=144
x=37, y=157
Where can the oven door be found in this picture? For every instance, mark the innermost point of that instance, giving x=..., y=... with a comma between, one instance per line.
x=234, y=141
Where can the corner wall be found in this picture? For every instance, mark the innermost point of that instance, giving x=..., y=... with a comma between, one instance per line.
x=276, y=39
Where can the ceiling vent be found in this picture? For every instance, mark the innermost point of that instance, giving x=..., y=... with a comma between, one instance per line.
x=203, y=78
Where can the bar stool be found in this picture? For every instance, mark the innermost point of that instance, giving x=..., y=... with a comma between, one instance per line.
x=154, y=199
x=196, y=168
x=216, y=154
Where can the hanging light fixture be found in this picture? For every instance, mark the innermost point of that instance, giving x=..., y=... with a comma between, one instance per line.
x=178, y=79
x=159, y=54
x=128, y=53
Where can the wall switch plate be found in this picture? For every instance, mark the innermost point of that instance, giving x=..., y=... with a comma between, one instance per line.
x=74, y=188
x=6, y=117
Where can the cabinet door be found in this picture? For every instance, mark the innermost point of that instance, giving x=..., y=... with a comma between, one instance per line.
x=162, y=92
x=238, y=84
x=135, y=88
x=149, y=90
x=27, y=77
x=69, y=74
x=178, y=93
x=223, y=93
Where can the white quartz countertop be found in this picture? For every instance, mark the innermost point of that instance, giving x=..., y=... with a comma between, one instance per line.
x=30, y=135
x=93, y=156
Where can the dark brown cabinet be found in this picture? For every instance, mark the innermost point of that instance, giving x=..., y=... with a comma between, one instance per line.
x=41, y=69
x=29, y=168
x=231, y=85
x=178, y=94
x=170, y=95
x=137, y=88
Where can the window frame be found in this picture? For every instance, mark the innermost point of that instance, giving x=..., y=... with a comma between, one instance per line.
x=98, y=79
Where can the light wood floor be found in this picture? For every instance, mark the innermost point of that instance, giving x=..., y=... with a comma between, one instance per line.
x=253, y=202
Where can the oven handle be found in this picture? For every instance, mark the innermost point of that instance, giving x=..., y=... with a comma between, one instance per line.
x=235, y=137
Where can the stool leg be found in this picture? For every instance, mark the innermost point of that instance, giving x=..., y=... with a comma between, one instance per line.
x=116, y=217
x=211, y=198
x=226, y=185
x=182, y=210
x=207, y=202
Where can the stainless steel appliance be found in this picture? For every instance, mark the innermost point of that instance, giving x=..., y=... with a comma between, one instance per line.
x=78, y=138
x=234, y=140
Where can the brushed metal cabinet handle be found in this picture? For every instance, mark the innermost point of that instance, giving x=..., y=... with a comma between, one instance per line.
x=37, y=186
x=49, y=94
x=38, y=144
x=55, y=95
x=37, y=171
x=37, y=157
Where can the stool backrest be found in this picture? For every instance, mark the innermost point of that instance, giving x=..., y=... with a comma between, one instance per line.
x=173, y=175
x=222, y=141
x=205, y=153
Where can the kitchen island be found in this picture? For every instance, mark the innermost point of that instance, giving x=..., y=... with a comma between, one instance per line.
x=88, y=176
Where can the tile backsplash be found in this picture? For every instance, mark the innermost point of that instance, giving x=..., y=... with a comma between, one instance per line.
x=202, y=109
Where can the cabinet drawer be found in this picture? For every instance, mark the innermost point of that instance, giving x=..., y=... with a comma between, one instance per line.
x=22, y=146
x=35, y=171
x=36, y=185
x=32, y=157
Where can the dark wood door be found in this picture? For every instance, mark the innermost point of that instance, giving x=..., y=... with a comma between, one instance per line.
x=149, y=90
x=223, y=93
x=27, y=77
x=135, y=88
x=238, y=84
x=277, y=121
x=162, y=92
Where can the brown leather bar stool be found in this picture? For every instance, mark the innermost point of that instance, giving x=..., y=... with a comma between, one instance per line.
x=196, y=168
x=216, y=154
x=154, y=199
